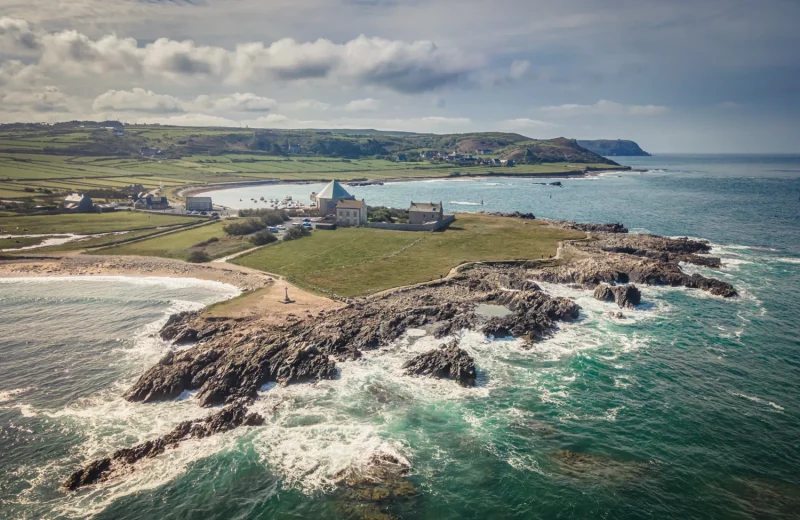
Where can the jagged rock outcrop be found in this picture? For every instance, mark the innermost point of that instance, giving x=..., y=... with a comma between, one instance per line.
x=513, y=214
x=232, y=360
x=624, y=295
x=122, y=460
x=589, y=227
x=616, y=258
x=446, y=362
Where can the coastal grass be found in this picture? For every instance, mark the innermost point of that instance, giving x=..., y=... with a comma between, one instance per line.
x=101, y=241
x=18, y=242
x=358, y=261
x=88, y=223
x=180, y=245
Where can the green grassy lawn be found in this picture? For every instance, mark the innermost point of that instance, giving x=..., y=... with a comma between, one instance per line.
x=181, y=244
x=88, y=223
x=359, y=261
x=17, y=242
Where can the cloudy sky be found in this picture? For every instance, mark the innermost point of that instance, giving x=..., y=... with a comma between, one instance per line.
x=674, y=75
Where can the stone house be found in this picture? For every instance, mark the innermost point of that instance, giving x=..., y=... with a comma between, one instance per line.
x=81, y=203
x=351, y=213
x=330, y=197
x=423, y=212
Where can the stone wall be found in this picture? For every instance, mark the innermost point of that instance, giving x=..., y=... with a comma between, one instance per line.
x=430, y=226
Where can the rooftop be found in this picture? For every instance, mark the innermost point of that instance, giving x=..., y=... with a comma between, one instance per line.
x=425, y=206
x=350, y=204
x=334, y=190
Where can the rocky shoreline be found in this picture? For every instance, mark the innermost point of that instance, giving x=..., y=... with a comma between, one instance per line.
x=232, y=359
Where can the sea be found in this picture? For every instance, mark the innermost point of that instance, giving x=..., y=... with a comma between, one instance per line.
x=687, y=409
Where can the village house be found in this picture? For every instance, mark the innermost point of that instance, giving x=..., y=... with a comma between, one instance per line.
x=79, y=202
x=351, y=213
x=424, y=212
x=483, y=151
x=329, y=198
x=152, y=202
x=199, y=204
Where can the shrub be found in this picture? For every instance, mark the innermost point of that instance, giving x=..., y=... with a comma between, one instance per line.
x=271, y=217
x=246, y=227
x=208, y=242
x=263, y=238
x=198, y=257
x=296, y=232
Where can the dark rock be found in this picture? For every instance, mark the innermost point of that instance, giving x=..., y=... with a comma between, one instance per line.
x=226, y=419
x=514, y=214
x=446, y=362
x=176, y=325
x=625, y=295
x=88, y=475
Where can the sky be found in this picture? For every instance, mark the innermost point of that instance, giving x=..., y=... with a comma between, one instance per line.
x=715, y=76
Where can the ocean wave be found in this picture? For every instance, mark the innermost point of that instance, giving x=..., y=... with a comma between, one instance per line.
x=9, y=395
x=141, y=280
x=757, y=400
x=461, y=203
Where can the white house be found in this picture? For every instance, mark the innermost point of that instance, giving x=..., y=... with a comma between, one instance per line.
x=199, y=204
x=351, y=213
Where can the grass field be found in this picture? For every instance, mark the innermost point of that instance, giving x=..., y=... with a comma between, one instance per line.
x=18, y=242
x=64, y=173
x=88, y=223
x=359, y=261
x=181, y=244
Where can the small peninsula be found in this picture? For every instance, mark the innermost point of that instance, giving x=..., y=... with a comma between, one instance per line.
x=614, y=148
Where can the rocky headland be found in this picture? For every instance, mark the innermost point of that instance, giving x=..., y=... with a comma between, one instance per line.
x=231, y=359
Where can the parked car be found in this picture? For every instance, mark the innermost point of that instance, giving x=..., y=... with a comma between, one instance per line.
x=282, y=227
x=273, y=229
x=307, y=224
x=306, y=219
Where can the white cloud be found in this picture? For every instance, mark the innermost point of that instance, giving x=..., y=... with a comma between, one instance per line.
x=362, y=105
x=137, y=100
x=306, y=104
x=407, y=67
x=238, y=102
x=523, y=123
x=519, y=68
x=48, y=99
x=603, y=108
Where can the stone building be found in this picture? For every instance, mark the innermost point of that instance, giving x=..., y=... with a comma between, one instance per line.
x=351, y=213
x=424, y=212
x=199, y=204
x=81, y=203
x=330, y=196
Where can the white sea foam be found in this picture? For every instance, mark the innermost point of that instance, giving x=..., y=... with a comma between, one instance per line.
x=757, y=400
x=165, y=281
x=462, y=203
x=9, y=395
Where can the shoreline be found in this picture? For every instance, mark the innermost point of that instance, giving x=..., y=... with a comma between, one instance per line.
x=572, y=174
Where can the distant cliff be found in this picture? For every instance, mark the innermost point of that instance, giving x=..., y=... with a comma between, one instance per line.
x=613, y=148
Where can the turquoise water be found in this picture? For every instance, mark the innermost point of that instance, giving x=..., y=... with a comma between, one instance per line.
x=690, y=407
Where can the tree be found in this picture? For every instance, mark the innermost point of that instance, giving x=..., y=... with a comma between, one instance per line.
x=198, y=257
x=296, y=232
x=262, y=238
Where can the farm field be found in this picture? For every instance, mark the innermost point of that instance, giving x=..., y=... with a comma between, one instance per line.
x=359, y=261
x=88, y=223
x=181, y=244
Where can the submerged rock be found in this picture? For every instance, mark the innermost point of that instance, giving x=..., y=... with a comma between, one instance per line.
x=600, y=467
x=371, y=491
x=226, y=419
x=446, y=362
